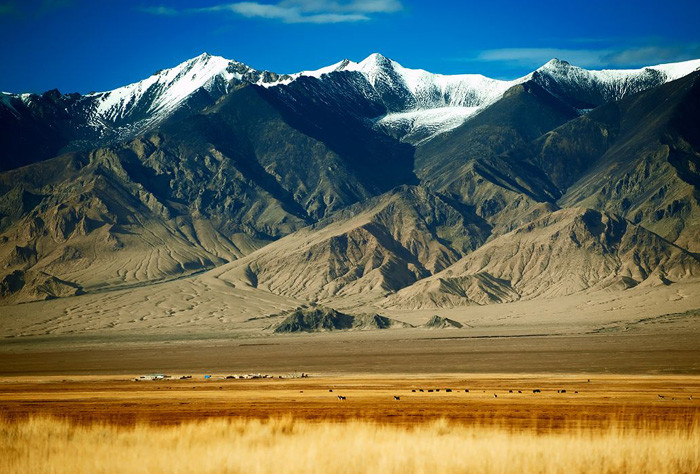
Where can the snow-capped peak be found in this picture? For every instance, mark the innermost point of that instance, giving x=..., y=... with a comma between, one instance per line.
x=598, y=86
x=165, y=90
x=419, y=104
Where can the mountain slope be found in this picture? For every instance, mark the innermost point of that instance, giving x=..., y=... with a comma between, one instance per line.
x=35, y=127
x=637, y=157
x=192, y=195
x=205, y=163
x=566, y=252
x=584, y=90
x=367, y=251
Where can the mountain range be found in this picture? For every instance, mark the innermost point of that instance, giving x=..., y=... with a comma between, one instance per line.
x=362, y=183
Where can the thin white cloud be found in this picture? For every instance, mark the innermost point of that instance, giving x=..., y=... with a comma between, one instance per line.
x=159, y=10
x=604, y=57
x=295, y=11
x=535, y=56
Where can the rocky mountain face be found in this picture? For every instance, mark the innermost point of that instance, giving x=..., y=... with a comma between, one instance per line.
x=566, y=252
x=36, y=127
x=363, y=182
x=321, y=319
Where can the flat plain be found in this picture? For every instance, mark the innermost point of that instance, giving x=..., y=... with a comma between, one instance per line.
x=563, y=401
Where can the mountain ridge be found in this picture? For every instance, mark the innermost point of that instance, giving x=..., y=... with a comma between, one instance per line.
x=299, y=185
x=419, y=105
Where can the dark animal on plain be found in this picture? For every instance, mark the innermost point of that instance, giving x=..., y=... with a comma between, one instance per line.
x=430, y=390
x=520, y=391
x=420, y=389
x=537, y=390
x=448, y=390
x=413, y=390
x=563, y=391
x=495, y=396
x=466, y=390
x=341, y=397
x=661, y=397
x=330, y=390
x=397, y=398
x=510, y=391
x=437, y=389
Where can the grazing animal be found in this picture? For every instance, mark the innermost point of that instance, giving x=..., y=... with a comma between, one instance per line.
x=448, y=390
x=495, y=396
x=466, y=390
x=341, y=397
x=661, y=397
x=420, y=389
x=563, y=391
x=510, y=391
x=330, y=390
x=414, y=390
x=397, y=398
x=520, y=391
x=437, y=389
x=430, y=390
x=537, y=390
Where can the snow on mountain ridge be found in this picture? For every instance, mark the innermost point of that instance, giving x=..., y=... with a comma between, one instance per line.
x=597, y=86
x=419, y=104
x=434, y=103
x=169, y=86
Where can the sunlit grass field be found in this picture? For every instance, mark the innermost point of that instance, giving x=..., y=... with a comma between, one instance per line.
x=45, y=444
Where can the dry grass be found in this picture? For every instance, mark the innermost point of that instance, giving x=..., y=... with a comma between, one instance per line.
x=42, y=444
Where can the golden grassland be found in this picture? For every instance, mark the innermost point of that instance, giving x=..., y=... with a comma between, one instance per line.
x=42, y=444
x=605, y=423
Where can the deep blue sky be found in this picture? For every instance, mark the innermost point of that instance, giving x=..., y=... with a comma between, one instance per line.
x=85, y=45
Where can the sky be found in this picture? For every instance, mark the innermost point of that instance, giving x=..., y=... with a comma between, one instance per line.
x=95, y=45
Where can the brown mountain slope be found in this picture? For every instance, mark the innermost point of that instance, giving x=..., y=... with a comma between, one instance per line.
x=366, y=252
x=566, y=252
x=638, y=157
x=193, y=195
x=468, y=164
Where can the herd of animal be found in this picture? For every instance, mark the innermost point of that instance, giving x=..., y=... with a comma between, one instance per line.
x=449, y=390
